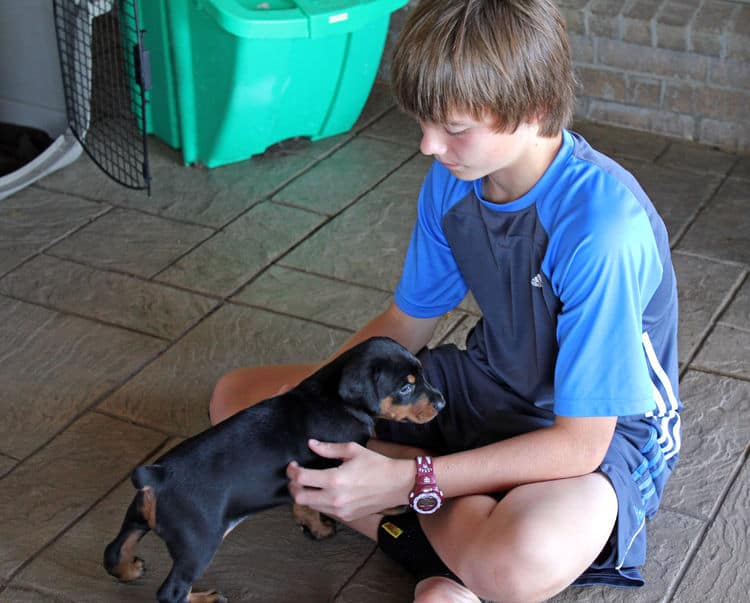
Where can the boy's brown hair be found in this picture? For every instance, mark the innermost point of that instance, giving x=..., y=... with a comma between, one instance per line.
x=509, y=59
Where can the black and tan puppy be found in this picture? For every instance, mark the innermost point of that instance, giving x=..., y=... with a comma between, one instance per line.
x=201, y=489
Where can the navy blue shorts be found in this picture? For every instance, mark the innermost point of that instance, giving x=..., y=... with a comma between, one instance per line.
x=480, y=411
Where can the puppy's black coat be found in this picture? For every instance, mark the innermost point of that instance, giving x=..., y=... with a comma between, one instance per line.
x=197, y=492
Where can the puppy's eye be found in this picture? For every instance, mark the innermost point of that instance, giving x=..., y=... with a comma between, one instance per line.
x=406, y=390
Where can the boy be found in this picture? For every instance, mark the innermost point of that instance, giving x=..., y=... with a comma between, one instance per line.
x=562, y=418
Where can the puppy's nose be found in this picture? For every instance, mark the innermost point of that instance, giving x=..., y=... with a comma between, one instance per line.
x=438, y=403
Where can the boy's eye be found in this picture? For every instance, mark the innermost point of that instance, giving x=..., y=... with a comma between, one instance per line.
x=455, y=132
x=406, y=390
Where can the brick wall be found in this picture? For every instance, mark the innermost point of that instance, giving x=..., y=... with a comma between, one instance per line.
x=674, y=67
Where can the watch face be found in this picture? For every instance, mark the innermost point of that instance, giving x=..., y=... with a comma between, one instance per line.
x=426, y=503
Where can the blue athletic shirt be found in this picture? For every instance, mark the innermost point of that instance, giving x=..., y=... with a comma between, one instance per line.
x=574, y=281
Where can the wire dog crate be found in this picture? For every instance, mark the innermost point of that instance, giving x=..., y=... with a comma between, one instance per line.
x=106, y=75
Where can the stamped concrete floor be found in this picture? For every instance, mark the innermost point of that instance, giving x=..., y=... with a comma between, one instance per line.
x=118, y=312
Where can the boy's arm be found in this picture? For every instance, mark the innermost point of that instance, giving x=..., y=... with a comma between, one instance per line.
x=368, y=482
x=572, y=446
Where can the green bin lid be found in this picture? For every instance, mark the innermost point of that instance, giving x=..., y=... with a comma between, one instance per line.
x=297, y=18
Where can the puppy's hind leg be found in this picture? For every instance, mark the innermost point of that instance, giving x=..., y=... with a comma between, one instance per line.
x=191, y=552
x=119, y=556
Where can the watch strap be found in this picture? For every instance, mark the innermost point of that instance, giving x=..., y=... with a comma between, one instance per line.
x=426, y=497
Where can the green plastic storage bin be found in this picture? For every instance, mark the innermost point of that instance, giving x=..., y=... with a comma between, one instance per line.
x=232, y=77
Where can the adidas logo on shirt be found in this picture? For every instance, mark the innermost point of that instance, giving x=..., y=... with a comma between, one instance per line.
x=537, y=281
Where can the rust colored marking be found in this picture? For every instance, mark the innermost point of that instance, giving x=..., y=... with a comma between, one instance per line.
x=148, y=506
x=319, y=528
x=130, y=567
x=419, y=412
x=411, y=379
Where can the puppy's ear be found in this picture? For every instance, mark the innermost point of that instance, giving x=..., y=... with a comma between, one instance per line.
x=359, y=383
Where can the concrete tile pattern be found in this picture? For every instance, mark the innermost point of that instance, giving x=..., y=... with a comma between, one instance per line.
x=33, y=219
x=55, y=367
x=720, y=562
x=172, y=392
x=98, y=451
x=106, y=296
x=239, y=252
x=705, y=286
x=724, y=231
x=345, y=175
x=131, y=242
x=118, y=313
x=6, y=464
x=716, y=432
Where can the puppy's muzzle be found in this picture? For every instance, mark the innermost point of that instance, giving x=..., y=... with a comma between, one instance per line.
x=422, y=409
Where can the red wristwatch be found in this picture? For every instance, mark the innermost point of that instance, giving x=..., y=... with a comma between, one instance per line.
x=426, y=497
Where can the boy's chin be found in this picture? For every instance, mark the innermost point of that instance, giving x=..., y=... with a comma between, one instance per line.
x=467, y=175
x=462, y=173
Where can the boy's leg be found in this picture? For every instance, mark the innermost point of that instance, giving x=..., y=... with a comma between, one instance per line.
x=244, y=387
x=532, y=544
x=528, y=547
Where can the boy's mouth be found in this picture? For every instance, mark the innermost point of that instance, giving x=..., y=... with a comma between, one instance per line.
x=450, y=166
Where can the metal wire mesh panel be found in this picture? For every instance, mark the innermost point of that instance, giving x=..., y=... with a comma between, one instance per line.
x=105, y=76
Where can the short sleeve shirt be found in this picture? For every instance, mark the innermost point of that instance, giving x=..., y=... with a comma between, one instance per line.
x=574, y=281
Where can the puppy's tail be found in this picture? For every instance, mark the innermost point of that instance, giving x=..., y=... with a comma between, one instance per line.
x=148, y=476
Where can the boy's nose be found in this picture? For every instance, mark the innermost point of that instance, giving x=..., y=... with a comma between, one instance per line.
x=432, y=143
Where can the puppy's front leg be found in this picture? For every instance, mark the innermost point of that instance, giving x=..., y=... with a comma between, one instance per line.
x=313, y=524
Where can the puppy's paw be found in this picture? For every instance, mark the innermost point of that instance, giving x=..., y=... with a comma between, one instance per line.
x=313, y=524
x=127, y=571
x=210, y=596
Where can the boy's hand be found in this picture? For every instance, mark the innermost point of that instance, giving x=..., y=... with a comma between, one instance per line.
x=365, y=483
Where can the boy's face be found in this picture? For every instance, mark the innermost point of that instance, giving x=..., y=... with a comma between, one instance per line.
x=472, y=149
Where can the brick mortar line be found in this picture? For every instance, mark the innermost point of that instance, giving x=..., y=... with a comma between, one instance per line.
x=597, y=65
x=662, y=10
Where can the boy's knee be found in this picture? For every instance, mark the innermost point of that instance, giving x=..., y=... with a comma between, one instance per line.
x=219, y=406
x=514, y=566
x=504, y=579
x=215, y=413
